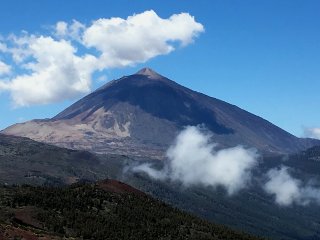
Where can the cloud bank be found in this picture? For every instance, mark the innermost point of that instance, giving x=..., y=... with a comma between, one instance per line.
x=288, y=190
x=193, y=160
x=58, y=66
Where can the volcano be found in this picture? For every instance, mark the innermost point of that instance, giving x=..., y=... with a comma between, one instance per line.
x=139, y=115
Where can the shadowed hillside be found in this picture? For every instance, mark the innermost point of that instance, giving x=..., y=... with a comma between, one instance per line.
x=26, y=161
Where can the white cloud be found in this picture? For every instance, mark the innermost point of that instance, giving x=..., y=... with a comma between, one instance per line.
x=140, y=37
x=283, y=186
x=152, y=172
x=4, y=68
x=3, y=47
x=51, y=69
x=73, y=31
x=19, y=47
x=312, y=133
x=193, y=160
x=61, y=29
x=102, y=78
x=56, y=73
x=288, y=190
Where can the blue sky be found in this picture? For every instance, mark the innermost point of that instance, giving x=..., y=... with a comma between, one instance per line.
x=263, y=56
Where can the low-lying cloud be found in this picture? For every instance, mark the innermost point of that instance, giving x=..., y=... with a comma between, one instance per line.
x=288, y=190
x=194, y=160
x=312, y=133
x=60, y=65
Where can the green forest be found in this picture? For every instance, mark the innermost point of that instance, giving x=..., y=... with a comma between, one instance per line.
x=87, y=211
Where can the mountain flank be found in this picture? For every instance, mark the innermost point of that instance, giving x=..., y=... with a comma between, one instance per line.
x=139, y=115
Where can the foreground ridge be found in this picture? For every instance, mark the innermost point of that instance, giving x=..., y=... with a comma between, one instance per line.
x=91, y=211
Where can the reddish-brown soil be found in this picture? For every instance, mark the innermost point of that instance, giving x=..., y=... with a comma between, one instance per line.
x=25, y=216
x=118, y=187
x=11, y=232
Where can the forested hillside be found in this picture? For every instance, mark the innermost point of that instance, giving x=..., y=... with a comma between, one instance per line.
x=103, y=210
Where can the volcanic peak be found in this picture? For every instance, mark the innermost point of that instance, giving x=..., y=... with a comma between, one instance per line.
x=148, y=72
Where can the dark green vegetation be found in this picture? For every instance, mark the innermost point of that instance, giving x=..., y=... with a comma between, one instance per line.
x=25, y=161
x=105, y=210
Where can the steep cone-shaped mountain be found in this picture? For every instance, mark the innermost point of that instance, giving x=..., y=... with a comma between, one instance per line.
x=141, y=114
x=151, y=93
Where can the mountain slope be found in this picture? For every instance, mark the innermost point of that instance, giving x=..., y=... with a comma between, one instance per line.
x=141, y=114
x=251, y=210
x=24, y=161
x=93, y=211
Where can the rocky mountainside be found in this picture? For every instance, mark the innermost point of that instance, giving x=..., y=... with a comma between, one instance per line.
x=141, y=114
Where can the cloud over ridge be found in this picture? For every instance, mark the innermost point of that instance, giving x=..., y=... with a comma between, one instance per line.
x=312, y=133
x=194, y=160
x=288, y=190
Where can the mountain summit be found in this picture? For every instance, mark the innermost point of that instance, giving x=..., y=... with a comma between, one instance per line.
x=149, y=73
x=141, y=114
